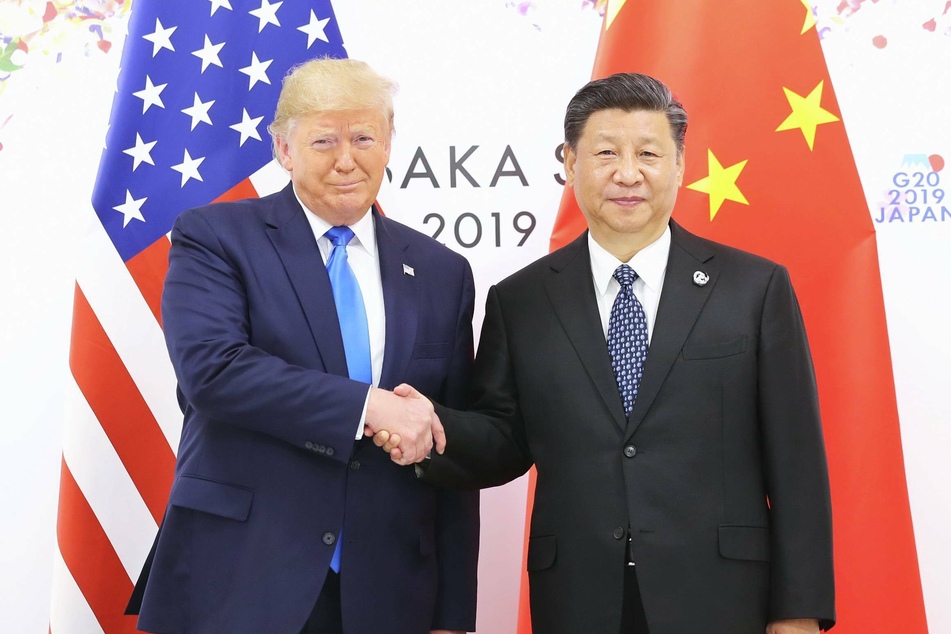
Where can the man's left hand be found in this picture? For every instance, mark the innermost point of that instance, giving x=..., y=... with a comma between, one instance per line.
x=793, y=626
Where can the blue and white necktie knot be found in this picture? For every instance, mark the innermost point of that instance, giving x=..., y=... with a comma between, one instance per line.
x=627, y=338
x=625, y=276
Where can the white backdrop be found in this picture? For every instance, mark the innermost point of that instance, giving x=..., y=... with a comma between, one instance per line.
x=496, y=75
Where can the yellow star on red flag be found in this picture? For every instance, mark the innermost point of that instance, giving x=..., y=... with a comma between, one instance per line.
x=810, y=20
x=720, y=183
x=807, y=113
x=613, y=8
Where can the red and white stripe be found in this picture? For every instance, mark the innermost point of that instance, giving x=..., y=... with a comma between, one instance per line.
x=122, y=429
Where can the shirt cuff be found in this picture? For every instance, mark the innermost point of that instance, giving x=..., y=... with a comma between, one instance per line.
x=363, y=416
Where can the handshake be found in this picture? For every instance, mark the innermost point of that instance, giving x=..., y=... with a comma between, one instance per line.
x=404, y=424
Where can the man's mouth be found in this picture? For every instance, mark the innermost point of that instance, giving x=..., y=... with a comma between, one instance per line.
x=627, y=201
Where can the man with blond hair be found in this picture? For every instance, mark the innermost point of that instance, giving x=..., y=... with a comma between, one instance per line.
x=288, y=318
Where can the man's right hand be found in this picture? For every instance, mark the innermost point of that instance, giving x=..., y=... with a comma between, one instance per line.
x=410, y=418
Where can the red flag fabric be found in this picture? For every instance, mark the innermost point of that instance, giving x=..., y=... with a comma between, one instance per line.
x=769, y=169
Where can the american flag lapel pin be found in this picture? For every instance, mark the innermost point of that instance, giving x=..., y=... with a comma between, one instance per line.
x=408, y=270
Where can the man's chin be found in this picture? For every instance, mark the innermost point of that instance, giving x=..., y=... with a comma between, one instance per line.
x=344, y=213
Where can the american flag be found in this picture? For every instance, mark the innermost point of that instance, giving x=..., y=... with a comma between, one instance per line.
x=198, y=86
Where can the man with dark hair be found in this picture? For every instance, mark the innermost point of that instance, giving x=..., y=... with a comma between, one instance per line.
x=663, y=388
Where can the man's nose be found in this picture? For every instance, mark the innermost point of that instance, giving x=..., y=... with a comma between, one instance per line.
x=343, y=161
x=628, y=171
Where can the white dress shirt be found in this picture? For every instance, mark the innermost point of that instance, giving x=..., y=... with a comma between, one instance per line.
x=364, y=258
x=650, y=264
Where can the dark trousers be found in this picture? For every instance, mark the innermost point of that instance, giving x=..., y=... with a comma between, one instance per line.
x=633, y=620
x=326, y=617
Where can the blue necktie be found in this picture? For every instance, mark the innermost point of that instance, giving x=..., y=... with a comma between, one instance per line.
x=627, y=338
x=352, y=315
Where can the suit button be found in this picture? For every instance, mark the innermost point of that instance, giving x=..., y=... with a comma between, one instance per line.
x=308, y=445
x=321, y=449
x=630, y=451
x=329, y=538
x=330, y=451
x=355, y=465
x=619, y=533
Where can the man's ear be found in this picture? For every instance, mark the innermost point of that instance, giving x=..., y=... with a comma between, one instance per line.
x=283, y=156
x=681, y=165
x=570, y=158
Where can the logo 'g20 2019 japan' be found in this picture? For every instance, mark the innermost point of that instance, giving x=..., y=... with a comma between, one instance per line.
x=915, y=194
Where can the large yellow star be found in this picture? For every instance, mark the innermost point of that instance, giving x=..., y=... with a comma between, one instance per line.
x=720, y=184
x=807, y=114
x=810, y=20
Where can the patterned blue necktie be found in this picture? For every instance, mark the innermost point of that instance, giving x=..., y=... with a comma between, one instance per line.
x=352, y=315
x=627, y=338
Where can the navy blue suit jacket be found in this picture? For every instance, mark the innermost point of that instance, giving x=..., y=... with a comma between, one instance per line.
x=268, y=466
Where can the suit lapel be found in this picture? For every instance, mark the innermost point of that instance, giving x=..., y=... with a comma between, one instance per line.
x=400, y=299
x=571, y=292
x=293, y=238
x=680, y=304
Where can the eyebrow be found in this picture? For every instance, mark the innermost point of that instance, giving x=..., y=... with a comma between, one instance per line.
x=646, y=138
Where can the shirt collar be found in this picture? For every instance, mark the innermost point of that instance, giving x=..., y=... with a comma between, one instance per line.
x=364, y=230
x=650, y=263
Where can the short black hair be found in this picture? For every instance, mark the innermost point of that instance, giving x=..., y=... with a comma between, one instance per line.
x=628, y=92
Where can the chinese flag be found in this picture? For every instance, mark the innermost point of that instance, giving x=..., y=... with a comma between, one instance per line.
x=769, y=170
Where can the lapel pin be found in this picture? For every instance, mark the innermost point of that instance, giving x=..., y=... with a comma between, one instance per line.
x=699, y=278
x=408, y=270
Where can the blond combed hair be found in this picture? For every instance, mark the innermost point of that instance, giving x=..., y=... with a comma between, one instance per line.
x=326, y=85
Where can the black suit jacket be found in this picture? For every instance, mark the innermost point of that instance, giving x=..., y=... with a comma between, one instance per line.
x=719, y=475
x=268, y=468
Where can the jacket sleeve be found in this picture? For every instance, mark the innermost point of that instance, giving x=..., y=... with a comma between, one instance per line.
x=221, y=374
x=801, y=583
x=485, y=446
